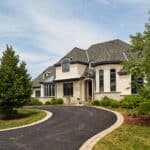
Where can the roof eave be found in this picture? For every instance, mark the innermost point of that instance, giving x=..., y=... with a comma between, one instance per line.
x=73, y=62
x=108, y=62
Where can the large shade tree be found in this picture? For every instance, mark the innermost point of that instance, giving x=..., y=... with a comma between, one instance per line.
x=15, y=83
x=139, y=58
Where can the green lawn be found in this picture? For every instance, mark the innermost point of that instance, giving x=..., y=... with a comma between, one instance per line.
x=26, y=116
x=127, y=137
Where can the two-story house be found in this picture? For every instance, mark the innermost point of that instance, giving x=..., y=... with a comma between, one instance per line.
x=84, y=75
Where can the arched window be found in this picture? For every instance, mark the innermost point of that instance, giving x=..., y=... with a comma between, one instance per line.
x=66, y=65
x=112, y=80
x=101, y=80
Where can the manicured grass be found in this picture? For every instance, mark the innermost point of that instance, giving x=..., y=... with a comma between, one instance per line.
x=26, y=116
x=127, y=137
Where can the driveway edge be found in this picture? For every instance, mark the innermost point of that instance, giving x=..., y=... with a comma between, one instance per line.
x=90, y=143
x=49, y=115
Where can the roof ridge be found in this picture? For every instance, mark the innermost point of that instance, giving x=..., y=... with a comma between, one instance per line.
x=107, y=42
x=87, y=55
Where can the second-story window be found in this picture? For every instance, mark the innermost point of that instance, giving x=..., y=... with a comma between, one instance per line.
x=101, y=80
x=112, y=80
x=66, y=65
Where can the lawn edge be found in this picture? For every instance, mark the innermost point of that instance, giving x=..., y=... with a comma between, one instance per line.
x=48, y=116
x=90, y=143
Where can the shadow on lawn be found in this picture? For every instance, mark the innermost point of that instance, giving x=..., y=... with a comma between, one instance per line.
x=18, y=114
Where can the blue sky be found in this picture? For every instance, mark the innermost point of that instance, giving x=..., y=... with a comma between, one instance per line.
x=42, y=31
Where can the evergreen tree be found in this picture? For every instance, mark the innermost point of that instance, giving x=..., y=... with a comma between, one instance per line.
x=15, y=83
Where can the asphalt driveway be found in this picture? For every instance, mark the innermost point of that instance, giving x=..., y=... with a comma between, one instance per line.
x=68, y=129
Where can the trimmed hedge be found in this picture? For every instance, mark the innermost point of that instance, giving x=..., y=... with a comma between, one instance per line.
x=34, y=101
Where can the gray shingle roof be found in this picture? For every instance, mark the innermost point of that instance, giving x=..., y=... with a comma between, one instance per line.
x=36, y=82
x=76, y=55
x=115, y=50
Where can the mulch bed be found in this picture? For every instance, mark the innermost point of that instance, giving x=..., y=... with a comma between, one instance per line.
x=143, y=120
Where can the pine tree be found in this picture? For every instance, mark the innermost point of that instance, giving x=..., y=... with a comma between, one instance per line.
x=15, y=83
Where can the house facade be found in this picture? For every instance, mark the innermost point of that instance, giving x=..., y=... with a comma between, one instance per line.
x=85, y=75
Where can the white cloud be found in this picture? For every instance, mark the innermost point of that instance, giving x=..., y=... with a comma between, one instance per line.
x=54, y=33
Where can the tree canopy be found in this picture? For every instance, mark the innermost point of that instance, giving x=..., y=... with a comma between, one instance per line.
x=139, y=57
x=15, y=82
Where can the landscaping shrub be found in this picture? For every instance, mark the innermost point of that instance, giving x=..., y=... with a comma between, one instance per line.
x=114, y=103
x=34, y=101
x=96, y=103
x=144, y=107
x=131, y=101
x=55, y=101
x=105, y=101
x=60, y=101
x=48, y=103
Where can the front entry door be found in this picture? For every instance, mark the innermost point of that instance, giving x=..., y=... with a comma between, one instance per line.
x=88, y=88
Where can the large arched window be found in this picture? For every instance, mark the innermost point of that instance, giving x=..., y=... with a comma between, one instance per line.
x=66, y=65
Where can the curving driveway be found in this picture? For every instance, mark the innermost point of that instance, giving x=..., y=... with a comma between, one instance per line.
x=68, y=129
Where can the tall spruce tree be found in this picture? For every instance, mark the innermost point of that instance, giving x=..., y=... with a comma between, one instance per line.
x=15, y=83
x=139, y=63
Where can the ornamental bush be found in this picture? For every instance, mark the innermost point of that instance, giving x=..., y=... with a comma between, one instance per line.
x=34, y=101
x=96, y=103
x=131, y=101
x=114, y=103
x=54, y=101
x=105, y=101
x=144, y=108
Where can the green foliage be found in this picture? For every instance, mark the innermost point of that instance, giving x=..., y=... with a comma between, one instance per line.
x=34, y=101
x=145, y=92
x=144, y=107
x=15, y=82
x=48, y=103
x=138, y=62
x=131, y=101
x=55, y=101
x=105, y=101
x=96, y=103
x=114, y=103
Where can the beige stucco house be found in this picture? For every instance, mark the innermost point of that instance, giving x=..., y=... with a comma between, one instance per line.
x=85, y=75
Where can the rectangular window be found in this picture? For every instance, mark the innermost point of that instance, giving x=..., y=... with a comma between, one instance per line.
x=66, y=65
x=112, y=80
x=101, y=80
x=68, y=89
x=49, y=89
x=136, y=84
x=37, y=93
